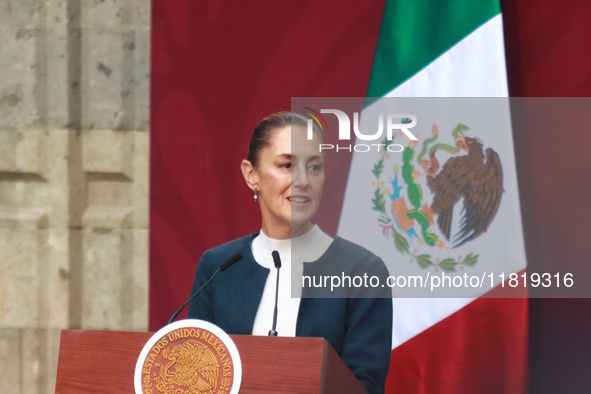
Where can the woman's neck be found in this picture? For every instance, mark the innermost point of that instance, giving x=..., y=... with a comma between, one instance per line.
x=286, y=232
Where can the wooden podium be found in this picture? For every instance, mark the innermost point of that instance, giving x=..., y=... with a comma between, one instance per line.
x=104, y=362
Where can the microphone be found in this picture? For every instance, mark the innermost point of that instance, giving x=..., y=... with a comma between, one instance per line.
x=277, y=261
x=227, y=264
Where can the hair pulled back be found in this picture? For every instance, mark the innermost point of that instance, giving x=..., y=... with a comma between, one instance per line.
x=261, y=136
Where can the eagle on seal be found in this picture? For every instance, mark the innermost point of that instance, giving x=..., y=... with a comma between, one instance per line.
x=476, y=177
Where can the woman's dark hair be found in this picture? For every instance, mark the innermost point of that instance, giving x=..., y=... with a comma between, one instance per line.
x=262, y=133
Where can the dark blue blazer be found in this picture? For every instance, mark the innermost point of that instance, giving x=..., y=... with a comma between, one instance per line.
x=358, y=324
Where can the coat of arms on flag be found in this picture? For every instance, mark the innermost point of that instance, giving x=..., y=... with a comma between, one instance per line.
x=417, y=191
x=446, y=202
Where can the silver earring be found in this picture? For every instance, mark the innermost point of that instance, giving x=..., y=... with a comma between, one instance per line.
x=256, y=195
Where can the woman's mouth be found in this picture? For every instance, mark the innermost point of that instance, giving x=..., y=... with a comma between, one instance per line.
x=299, y=199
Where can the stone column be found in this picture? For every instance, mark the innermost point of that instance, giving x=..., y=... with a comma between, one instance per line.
x=74, y=143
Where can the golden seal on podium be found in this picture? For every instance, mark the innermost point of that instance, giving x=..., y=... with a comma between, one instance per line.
x=188, y=356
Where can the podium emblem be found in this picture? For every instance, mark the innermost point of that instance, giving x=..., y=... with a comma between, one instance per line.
x=188, y=356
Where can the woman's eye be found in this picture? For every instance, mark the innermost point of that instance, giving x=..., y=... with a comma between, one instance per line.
x=316, y=167
x=286, y=166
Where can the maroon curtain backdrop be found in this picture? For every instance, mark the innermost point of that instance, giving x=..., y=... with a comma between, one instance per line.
x=548, y=45
x=219, y=66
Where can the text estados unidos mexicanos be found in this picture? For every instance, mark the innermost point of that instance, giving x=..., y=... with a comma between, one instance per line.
x=437, y=281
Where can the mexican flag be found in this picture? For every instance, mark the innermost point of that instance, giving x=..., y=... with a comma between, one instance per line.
x=470, y=342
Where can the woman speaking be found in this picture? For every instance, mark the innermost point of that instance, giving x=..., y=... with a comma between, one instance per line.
x=285, y=171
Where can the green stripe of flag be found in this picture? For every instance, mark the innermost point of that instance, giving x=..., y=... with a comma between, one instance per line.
x=416, y=32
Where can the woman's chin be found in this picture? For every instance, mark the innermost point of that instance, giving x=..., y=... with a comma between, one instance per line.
x=301, y=225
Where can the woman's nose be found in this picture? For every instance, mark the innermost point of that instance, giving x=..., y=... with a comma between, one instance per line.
x=299, y=178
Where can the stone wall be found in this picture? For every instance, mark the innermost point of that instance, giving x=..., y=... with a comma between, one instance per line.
x=74, y=142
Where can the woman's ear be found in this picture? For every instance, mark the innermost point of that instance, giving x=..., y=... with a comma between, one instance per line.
x=249, y=174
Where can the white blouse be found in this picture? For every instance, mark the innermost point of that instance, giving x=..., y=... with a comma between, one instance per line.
x=310, y=247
